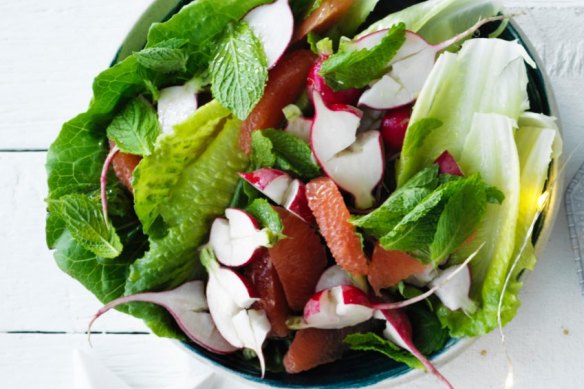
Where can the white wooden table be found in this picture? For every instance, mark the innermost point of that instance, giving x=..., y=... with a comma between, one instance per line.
x=49, y=53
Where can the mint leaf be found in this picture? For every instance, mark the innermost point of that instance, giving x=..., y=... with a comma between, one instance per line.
x=163, y=59
x=280, y=149
x=460, y=217
x=262, y=151
x=136, y=128
x=292, y=153
x=239, y=70
x=370, y=341
x=83, y=218
x=383, y=219
x=172, y=43
x=267, y=216
x=356, y=69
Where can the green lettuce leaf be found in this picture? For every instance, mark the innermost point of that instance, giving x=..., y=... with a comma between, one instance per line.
x=355, y=16
x=239, y=70
x=490, y=149
x=438, y=20
x=157, y=175
x=356, y=69
x=486, y=76
x=202, y=193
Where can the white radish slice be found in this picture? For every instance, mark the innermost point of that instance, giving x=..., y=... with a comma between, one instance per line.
x=410, y=67
x=398, y=330
x=273, y=24
x=454, y=293
x=252, y=327
x=175, y=105
x=334, y=129
x=187, y=305
x=237, y=240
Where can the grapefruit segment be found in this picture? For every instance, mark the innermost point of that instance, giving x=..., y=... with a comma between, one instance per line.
x=264, y=278
x=313, y=347
x=389, y=267
x=299, y=259
x=124, y=166
x=332, y=216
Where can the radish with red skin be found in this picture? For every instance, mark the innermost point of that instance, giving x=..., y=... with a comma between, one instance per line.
x=448, y=164
x=237, y=240
x=354, y=162
x=188, y=306
x=394, y=125
x=399, y=330
x=273, y=25
x=229, y=297
x=337, y=276
x=410, y=67
x=279, y=187
x=317, y=83
x=337, y=307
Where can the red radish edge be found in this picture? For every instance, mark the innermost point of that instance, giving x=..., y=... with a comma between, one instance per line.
x=448, y=164
x=103, y=180
x=149, y=297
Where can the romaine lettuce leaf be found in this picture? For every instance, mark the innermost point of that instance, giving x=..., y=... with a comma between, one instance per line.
x=486, y=76
x=438, y=20
x=489, y=149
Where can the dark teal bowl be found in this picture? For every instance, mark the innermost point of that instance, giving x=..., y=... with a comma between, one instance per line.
x=356, y=369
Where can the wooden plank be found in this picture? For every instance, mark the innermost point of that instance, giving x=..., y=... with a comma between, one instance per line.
x=80, y=38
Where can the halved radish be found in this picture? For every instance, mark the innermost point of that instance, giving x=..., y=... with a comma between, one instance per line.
x=188, y=306
x=448, y=164
x=454, y=294
x=279, y=187
x=355, y=163
x=316, y=83
x=297, y=124
x=273, y=24
x=237, y=240
x=410, y=67
x=394, y=125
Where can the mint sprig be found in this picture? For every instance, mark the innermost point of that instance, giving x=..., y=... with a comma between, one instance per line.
x=239, y=70
x=356, y=69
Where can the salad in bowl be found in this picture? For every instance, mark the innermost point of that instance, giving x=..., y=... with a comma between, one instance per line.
x=311, y=192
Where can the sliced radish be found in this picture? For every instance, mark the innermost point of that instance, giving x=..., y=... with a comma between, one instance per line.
x=229, y=298
x=354, y=162
x=176, y=104
x=187, y=305
x=333, y=129
x=237, y=240
x=273, y=24
x=252, y=328
x=410, y=67
x=399, y=330
x=454, y=293
x=316, y=83
x=279, y=187
x=336, y=276
x=448, y=164
x=337, y=307
x=297, y=124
